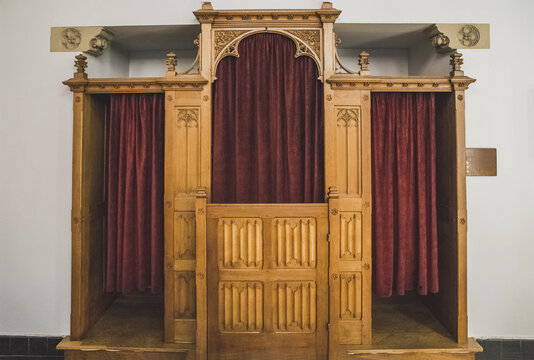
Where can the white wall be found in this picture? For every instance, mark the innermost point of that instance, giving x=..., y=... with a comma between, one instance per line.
x=387, y=62
x=36, y=139
x=152, y=63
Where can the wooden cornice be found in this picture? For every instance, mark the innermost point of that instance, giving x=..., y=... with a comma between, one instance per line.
x=285, y=17
x=136, y=85
x=407, y=83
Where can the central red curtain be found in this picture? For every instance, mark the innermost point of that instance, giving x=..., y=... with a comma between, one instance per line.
x=135, y=193
x=405, y=252
x=267, y=125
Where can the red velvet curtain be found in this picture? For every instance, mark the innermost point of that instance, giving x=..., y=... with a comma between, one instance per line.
x=135, y=193
x=267, y=125
x=404, y=219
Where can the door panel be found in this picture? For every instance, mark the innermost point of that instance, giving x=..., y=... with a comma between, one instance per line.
x=267, y=281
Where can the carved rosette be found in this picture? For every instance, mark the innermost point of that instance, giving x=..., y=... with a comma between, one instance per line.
x=71, y=38
x=469, y=35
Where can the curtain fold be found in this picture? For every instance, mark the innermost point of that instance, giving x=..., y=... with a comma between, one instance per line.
x=268, y=124
x=135, y=193
x=405, y=255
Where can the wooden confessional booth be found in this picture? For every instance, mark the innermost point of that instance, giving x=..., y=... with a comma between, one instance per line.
x=266, y=280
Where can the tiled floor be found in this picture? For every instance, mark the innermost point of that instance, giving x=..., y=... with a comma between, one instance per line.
x=23, y=347
x=496, y=349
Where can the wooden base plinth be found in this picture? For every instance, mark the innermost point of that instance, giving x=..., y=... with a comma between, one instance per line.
x=405, y=329
x=132, y=328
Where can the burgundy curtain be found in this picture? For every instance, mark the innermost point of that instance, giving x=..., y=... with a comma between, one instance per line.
x=135, y=193
x=267, y=125
x=404, y=193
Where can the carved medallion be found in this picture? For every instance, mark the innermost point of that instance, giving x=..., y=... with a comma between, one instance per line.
x=71, y=38
x=469, y=35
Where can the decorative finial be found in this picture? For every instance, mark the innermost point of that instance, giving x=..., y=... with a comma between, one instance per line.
x=171, y=64
x=206, y=5
x=80, y=64
x=457, y=62
x=363, y=61
x=327, y=5
x=197, y=41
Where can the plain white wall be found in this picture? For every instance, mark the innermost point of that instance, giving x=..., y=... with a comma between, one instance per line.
x=36, y=143
x=388, y=62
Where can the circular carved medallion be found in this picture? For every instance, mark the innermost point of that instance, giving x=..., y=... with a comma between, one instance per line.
x=71, y=38
x=469, y=35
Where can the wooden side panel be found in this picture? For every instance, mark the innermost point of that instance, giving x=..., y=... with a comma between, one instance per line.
x=186, y=150
x=350, y=222
x=350, y=237
x=184, y=295
x=184, y=236
x=348, y=150
x=184, y=124
x=448, y=303
x=89, y=297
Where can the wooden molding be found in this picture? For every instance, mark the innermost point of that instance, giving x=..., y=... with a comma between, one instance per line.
x=408, y=83
x=136, y=85
x=481, y=161
x=250, y=18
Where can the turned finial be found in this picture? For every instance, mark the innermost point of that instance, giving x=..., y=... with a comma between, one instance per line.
x=363, y=61
x=80, y=64
x=206, y=5
x=327, y=5
x=457, y=62
x=171, y=64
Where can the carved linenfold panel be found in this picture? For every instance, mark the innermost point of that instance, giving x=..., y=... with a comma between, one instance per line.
x=224, y=37
x=294, y=242
x=350, y=236
x=312, y=38
x=350, y=296
x=184, y=236
x=242, y=242
x=349, y=150
x=186, y=150
x=294, y=306
x=240, y=306
x=184, y=295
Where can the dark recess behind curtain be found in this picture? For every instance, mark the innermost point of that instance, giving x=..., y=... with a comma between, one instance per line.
x=135, y=193
x=267, y=125
x=404, y=193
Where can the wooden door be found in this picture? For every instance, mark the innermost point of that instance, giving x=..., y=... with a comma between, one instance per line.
x=267, y=281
